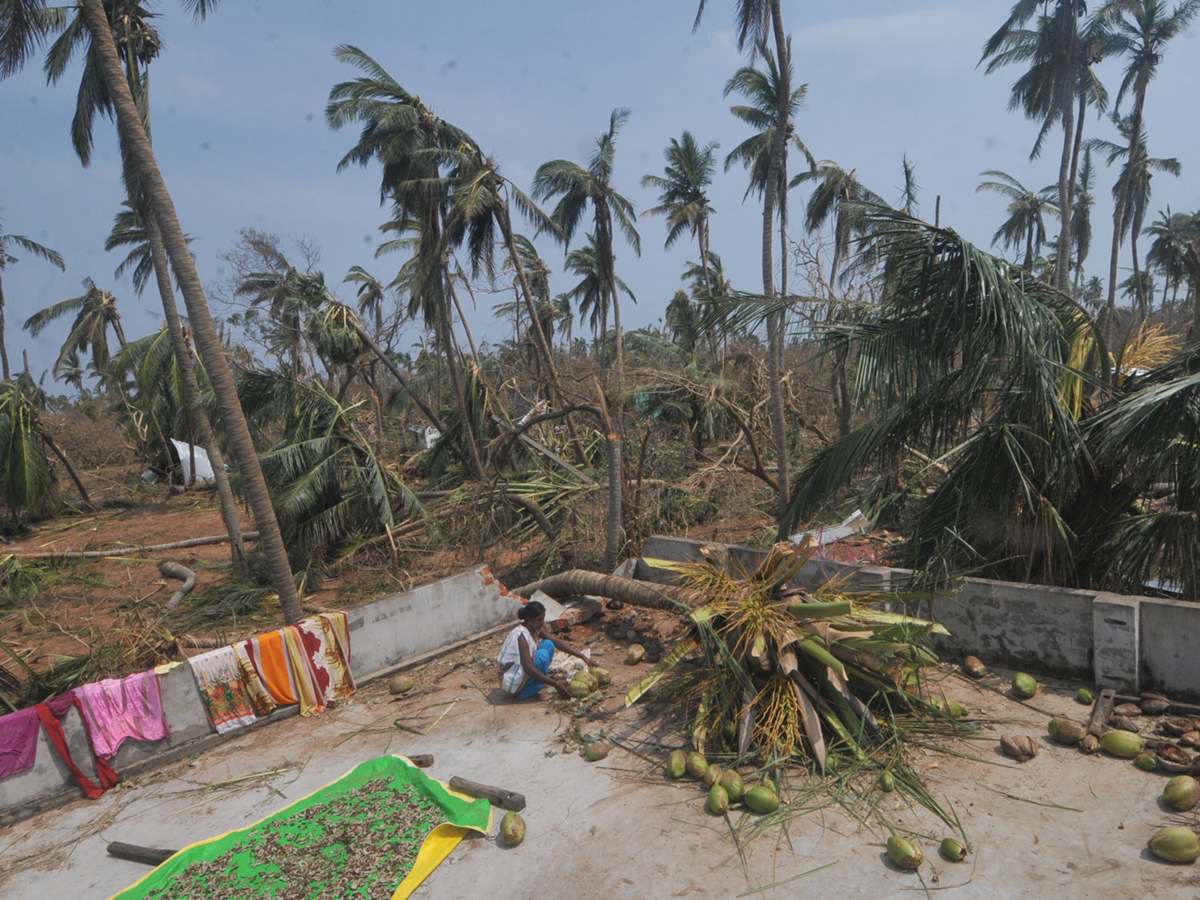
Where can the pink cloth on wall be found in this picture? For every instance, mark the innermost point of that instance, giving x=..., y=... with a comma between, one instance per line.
x=18, y=741
x=116, y=709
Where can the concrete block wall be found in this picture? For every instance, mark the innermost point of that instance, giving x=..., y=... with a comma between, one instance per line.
x=383, y=634
x=1126, y=643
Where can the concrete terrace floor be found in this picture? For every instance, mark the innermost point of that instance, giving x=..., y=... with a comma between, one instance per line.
x=615, y=829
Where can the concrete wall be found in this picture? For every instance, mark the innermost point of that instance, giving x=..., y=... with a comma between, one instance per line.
x=1127, y=643
x=383, y=634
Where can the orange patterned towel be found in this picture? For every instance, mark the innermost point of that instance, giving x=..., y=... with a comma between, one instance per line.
x=270, y=662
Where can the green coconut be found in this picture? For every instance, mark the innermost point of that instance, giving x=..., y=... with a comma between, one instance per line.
x=887, y=782
x=596, y=752
x=400, y=684
x=578, y=689
x=1024, y=686
x=713, y=775
x=729, y=731
x=676, y=764
x=1146, y=762
x=761, y=800
x=603, y=678
x=733, y=784
x=953, y=850
x=1175, y=844
x=1182, y=792
x=512, y=829
x=1085, y=697
x=1124, y=744
x=904, y=853
x=697, y=765
x=635, y=655
x=718, y=800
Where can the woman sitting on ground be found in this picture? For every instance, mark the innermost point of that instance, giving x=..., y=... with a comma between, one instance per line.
x=525, y=657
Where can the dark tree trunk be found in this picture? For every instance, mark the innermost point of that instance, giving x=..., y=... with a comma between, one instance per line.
x=207, y=341
x=3, y=347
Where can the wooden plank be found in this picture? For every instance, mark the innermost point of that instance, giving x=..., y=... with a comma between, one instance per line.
x=501, y=797
x=1102, y=709
x=422, y=760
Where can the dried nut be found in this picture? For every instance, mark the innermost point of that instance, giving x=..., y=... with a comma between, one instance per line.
x=1069, y=732
x=1174, y=759
x=1019, y=747
x=1127, y=709
x=974, y=667
x=1191, y=739
x=1153, y=695
x=1121, y=723
x=1155, y=707
x=1090, y=744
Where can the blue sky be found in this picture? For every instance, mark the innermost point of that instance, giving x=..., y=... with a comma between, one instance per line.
x=238, y=103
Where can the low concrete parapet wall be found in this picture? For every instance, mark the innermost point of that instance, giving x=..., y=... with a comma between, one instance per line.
x=1117, y=641
x=383, y=635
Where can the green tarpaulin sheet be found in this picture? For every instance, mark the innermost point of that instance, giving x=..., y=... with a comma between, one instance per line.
x=376, y=833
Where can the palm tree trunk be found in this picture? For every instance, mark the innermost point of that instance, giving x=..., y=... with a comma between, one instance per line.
x=192, y=395
x=71, y=473
x=456, y=387
x=207, y=341
x=462, y=317
x=3, y=347
x=1139, y=289
x=1062, y=265
x=774, y=323
x=434, y=419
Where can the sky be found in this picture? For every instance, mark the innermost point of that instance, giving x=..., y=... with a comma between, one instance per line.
x=237, y=106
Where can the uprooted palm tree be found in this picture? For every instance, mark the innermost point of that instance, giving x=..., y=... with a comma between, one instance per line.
x=331, y=491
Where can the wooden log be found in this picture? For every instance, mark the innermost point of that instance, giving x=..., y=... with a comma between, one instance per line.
x=127, y=551
x=1103, y=708
x=151, y=856
x=505, y=799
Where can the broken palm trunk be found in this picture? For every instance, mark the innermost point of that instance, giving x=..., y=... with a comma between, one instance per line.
x=780, y=672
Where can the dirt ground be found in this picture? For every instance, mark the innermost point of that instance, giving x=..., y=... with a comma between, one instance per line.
x=1062, y=825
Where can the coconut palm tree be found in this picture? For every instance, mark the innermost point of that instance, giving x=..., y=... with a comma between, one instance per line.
x=591, y=294
x=20, y=242
x=1171, y=233
x=1081, y=213
x=682, y=198
x=1026, y=222
x=129, y=233
x=578, y=188
x=416, y=149
x=24, y=26
x=95, y=312
x=835, y=195
x=1056, y=52
x=1131, y=191
x=1139, y=30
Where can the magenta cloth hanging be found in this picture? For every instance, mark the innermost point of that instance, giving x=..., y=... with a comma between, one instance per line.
x=18, y=741
x=117, y=709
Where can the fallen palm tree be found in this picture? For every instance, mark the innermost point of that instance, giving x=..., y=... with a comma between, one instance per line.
x=775, y=671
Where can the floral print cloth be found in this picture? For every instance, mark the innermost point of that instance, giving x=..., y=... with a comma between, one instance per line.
x=226, y=699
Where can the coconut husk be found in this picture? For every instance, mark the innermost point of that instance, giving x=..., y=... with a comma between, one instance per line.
x=1123, y=723
x=1127, y=710
x=1019, y=747
x=1174, y=760
x=1155, y=706
x=1176, y=725
x=1190, y=739
x=1153, y=695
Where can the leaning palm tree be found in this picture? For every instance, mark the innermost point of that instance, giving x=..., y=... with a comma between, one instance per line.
x=1140, y=31
x=682, y=192
x=1131, y=191
x=1027, y=211
x=1056, y=52
x=24, y=26
x=837, y=196
x=32, y=247
x=578, y=188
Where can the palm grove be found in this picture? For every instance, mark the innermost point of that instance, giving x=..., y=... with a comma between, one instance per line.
x=1009, y=417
